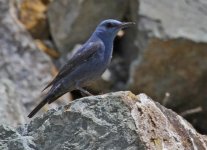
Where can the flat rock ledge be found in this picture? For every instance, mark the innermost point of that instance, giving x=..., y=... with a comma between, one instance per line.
x=114, y=121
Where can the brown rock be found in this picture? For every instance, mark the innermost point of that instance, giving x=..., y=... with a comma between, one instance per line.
x=177, y=67
x=33, y=15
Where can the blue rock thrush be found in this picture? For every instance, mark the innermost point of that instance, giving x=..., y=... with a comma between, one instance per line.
x=87, y=64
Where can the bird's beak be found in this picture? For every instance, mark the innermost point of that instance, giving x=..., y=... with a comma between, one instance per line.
x=127, y=24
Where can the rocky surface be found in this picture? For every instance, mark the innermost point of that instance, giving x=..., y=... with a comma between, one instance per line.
x=24, y=70
x=175, y=19
x=118, y=120
x=11, y=110
x=10, y=139
x=33, y=15
x=173, y=59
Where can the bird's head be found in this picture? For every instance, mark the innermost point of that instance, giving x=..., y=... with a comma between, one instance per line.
x=109, y=28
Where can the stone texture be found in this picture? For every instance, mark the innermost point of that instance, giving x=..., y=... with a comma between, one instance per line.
x=172, y=59
x=10, y=139
x=175, y=19
x=24, y=70
x=33, y=15
x=162, y=128
x=118, y=120
x=11, y=110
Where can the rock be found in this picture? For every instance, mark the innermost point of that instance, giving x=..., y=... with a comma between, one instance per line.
x=175, y=19
x=10, y=139
x=33, y=15
x=11, y=108
x=118, y=120
x=24, y=70
x=173, y=42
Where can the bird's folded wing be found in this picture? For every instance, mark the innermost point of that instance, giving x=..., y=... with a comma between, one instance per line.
x=78, y=58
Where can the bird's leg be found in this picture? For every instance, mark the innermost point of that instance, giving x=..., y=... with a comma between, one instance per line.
x=83, y=90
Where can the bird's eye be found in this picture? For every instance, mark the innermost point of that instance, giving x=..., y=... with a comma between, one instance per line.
x=109, y=25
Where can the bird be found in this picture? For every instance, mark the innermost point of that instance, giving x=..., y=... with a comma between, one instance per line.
x=86, y=65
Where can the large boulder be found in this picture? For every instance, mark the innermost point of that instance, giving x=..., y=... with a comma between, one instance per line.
x=118, y=120
x=173, y=44
x=24, y=70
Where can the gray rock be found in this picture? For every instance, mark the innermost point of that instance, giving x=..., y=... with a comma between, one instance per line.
x=10, y=139
x=11, y=108
x=175, y=19
x=116, y=121
x=24, y=70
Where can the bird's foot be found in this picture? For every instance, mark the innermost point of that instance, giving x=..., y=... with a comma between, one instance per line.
x=84, y=91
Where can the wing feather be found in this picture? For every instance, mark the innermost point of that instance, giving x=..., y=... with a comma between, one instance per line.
x=80, y=57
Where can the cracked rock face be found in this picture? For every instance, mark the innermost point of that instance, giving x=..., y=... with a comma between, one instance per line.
x=118, y=120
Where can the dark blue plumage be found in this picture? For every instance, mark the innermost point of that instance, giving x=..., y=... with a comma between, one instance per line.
x=87, y=64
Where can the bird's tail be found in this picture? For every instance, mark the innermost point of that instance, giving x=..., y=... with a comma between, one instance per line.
x=37, y=108
x=51, y=97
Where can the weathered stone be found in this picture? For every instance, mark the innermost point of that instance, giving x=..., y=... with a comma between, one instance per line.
x=10, y=139
x=118, y=120
x=24, y=70
x=163, y=128
x=33, y=15
x=175, y=19
x=11, y=109
x=173, y=57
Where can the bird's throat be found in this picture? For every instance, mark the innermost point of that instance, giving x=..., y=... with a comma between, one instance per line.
x=108, y=50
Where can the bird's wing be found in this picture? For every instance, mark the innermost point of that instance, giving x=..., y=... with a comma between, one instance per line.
x=78, y=58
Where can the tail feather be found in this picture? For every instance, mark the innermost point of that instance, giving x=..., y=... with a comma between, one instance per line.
x=55, y=92
x=51, y=97
x=37, y=108
x=55, y=98
x=50, y=84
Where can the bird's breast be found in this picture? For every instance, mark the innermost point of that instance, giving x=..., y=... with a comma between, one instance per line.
x=108, y=54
